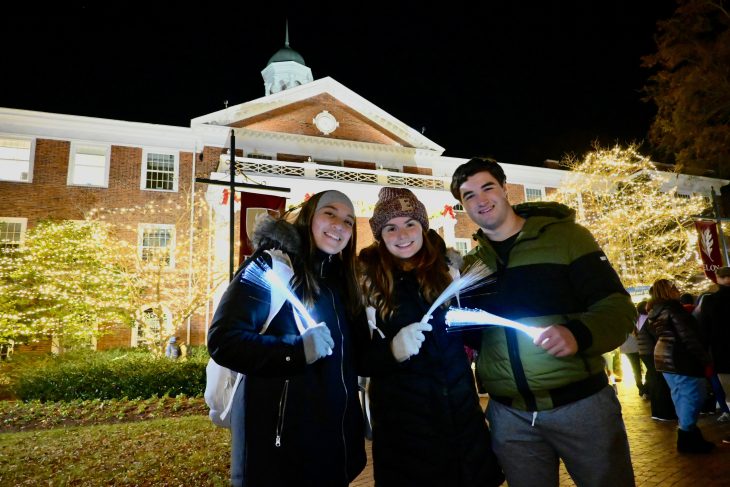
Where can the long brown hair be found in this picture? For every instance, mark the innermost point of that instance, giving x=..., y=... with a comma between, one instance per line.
x=661, y=291
x=306, y=274
x=379, y=266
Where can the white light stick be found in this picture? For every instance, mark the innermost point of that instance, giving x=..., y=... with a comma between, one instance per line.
x=458, y=319
x=260, y=274
x=468, y=280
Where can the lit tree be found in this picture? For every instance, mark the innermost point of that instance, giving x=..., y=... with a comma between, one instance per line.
x=179, y=282
x=64, y=283
x=635, y=215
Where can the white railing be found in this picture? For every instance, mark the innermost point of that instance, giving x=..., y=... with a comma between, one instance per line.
x=312, y=170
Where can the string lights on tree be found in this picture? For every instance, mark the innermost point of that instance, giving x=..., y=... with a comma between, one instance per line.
x=635, y=214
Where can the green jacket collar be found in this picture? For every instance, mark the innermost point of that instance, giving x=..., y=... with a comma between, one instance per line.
x=537, y=215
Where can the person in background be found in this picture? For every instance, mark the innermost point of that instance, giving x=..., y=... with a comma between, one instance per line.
x=428, y=426
x=688, y=301
x=173, y=349
x=297, y=420
x=657, y=390
x=715, y=323
x=552, y=275
x=630, y=348
x=682, y=358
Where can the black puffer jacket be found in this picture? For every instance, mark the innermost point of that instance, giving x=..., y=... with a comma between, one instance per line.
x=679, y=348
x=428, y=427
x=715, y=319
x=314, y=409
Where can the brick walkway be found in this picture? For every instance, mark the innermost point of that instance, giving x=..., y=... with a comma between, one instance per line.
x=653, y=450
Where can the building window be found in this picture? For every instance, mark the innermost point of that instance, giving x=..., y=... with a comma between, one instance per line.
x=459, y=208
x=159, y=171
x=12, y=232
x=462, y=245
x=16, y=159
x=146, y=332
x=157, y=244
x=89, y=165
x=534, y=194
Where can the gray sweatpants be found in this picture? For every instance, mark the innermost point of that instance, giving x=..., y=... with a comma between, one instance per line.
x=588, y=435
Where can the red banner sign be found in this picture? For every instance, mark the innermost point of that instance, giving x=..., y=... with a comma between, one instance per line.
x=252, y=205
x=709, y=244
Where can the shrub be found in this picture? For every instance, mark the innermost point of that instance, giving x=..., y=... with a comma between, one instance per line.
x=116, y=374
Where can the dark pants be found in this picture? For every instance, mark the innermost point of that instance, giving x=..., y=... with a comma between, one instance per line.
x=659, y=394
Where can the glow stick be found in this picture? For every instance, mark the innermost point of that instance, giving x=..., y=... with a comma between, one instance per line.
x=458, y=319
x=468, y=280
x=260, y=274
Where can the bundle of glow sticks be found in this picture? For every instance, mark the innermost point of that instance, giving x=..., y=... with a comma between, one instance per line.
x=260, y=274
x=458, y=319
x=471, y=278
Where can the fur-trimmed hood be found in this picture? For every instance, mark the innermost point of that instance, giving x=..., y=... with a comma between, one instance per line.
x=274, y=233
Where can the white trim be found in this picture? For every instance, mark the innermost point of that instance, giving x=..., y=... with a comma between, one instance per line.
x=176, y=174
x=324, y=85
x=23, y=226
x=141, y=227
x=467, y=243
x=31, y=157
x=75, y=145
x=534, y=187
x=94, y=130
x=169, y=327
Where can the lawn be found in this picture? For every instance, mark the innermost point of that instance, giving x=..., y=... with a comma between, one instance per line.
x=153, y=442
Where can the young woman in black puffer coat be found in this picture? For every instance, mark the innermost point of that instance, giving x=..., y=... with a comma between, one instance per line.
x=682, y=358
x=428, y=426
x=297, y=420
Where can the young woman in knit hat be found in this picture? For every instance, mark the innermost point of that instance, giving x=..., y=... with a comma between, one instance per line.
x=428, y=426
x=297, y=420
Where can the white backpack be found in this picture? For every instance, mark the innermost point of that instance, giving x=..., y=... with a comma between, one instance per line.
x=221, y=383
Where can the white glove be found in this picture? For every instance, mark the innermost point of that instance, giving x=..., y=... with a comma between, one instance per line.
x=408, y=341
x=318, y=342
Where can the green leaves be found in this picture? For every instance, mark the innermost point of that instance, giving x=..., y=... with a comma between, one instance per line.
x=86, y=375
x=65, y=282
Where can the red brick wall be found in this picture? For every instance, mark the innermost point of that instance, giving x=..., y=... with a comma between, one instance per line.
x=49, y=197
x=296, y=118
x=426, y=171
x=364, y=234
x=360, y=165
x=37, y=348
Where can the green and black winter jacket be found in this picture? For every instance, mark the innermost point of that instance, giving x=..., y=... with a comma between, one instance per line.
x=555, y=273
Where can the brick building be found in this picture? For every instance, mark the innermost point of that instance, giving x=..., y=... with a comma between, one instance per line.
x=304, y=135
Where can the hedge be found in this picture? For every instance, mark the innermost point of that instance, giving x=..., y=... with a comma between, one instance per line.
x=110, y=375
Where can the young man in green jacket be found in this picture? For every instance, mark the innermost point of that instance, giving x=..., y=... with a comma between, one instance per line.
x=549, y=397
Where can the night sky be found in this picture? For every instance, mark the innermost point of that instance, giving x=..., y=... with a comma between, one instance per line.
x=518, y=81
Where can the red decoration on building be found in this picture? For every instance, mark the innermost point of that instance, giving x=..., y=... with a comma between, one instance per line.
x=226, y=191
x=448, y=211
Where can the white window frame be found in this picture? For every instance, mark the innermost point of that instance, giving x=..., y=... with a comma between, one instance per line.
x=23, y=227
x=75, y=146
x=466, y=242
x=142, y=227
x=169, y=328
x=31, y=158
x=541, y=189
x=176, y=174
